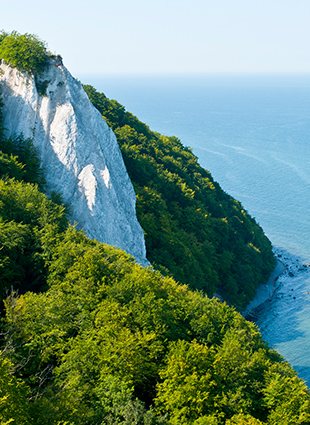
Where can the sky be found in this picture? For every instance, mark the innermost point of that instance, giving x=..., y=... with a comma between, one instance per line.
x=169, y=36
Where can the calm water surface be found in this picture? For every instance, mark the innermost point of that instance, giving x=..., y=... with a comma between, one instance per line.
x=253, y=134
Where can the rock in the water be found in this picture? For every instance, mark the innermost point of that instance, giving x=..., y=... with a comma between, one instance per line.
x=79, y=153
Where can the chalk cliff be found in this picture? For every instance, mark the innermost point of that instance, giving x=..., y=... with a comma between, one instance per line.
x=79, y=153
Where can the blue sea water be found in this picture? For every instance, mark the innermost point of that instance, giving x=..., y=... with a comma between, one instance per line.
x=253, y=133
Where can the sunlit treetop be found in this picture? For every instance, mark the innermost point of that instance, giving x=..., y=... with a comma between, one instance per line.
x=26, y=52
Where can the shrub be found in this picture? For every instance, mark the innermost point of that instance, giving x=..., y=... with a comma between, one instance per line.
x=26, y=52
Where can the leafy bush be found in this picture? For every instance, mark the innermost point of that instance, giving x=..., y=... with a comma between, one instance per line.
x=10, y=167
x=26, y=52
x=14, y=405
x=3, y=34
x=26, y=153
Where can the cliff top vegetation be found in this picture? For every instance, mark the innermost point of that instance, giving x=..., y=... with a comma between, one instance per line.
x=26, y=52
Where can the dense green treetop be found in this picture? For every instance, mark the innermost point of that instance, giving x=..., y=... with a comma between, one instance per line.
x=26, y=52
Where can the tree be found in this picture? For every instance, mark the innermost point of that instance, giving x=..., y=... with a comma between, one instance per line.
x=26, y=52
x=14, y=406
x=28, y=155
x=188, y=386
x=286, y=396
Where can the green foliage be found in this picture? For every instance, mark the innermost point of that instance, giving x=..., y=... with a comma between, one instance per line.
x=10, y=167
x=194, y=231
x=280, y=381
x=29, y=224
x=21, y=150
x=118, y=406
x=228, y=381
x=14, y=406
x=3, y=34
x=29, y=221
x=110, y=338
x=26, y=52
x=241, y=419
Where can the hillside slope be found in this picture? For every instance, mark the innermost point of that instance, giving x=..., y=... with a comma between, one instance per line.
x=194, y=231
x=97, y=339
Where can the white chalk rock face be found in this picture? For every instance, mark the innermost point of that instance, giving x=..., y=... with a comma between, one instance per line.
x=79, y=153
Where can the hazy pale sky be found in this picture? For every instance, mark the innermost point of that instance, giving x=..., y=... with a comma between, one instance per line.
x=168, y=36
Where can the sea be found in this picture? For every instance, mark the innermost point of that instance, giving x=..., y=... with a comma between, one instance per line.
x=252, y=132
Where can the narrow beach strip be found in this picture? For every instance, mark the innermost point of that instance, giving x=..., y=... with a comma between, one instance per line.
x=266, y=290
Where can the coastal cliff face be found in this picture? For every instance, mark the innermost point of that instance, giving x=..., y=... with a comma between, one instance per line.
x=78, y=151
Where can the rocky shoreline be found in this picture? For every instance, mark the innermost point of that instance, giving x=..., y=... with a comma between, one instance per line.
x=266, y=290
